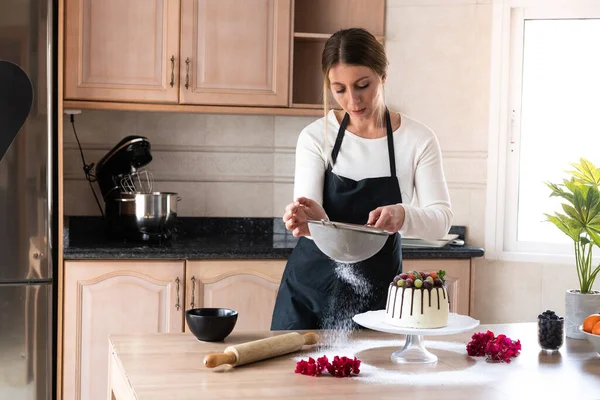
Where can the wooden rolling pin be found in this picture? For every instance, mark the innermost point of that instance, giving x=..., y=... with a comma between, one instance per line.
x=262, y=349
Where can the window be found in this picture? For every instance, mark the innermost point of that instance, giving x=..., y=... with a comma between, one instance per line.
x=549, y=116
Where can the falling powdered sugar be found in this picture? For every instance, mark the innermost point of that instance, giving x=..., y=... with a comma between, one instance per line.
x=348, y=273
x=352, y=294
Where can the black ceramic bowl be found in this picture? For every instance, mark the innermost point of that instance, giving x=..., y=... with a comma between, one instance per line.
x=211, y=324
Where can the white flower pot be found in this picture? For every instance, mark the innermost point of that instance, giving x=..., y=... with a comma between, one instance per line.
x=577, y=307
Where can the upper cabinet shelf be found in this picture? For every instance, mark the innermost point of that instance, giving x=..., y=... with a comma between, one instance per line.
x=329, y=16
x=314, y=22
x=218, y=56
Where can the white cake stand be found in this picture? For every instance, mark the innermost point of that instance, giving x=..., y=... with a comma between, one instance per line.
x=414, y=351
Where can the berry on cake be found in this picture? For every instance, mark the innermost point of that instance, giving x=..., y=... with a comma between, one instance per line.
x=418, y=300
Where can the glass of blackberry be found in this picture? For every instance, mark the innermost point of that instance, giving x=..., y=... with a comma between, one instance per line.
x=551, y=328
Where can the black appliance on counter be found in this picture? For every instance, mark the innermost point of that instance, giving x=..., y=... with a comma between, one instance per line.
x=118, y=165
x=132, y=209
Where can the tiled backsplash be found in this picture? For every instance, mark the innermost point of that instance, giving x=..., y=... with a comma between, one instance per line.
x=221, y=165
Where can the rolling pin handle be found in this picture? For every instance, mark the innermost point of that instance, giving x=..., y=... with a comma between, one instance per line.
x=310, y=338
x=216, y=359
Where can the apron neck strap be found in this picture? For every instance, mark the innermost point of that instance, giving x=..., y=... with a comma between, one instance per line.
x=390, y=138
x=338, y=141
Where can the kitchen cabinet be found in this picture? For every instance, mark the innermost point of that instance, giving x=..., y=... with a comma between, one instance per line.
x=224, y=52
x=458, y=279
x=122, y=50
x=235, y=52
x=248, y=286
x=213, y=56
x=113, y=297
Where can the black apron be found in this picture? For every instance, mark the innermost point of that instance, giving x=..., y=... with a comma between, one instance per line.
x=318, y=293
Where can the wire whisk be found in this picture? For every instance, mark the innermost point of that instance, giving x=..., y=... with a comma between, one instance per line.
x=140, y=181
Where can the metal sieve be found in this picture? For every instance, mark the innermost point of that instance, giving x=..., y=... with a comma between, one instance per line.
x=347, y=243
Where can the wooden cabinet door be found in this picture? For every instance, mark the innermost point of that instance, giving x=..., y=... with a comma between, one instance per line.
x=122, y=50
x=247, y=286
x=235, y=52
x=113, y=297
x=458, y=279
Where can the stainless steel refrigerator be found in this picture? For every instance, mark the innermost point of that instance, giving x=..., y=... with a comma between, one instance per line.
x=28, y=227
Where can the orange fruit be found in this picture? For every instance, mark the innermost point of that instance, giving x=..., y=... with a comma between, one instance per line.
x=590, y=322
x=596, y=328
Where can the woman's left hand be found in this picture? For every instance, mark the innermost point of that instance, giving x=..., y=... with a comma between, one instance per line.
x=388, y=218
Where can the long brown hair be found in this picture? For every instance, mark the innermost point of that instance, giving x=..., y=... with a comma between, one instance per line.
x=353, y=46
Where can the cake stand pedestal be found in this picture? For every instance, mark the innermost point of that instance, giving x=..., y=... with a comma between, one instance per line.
x=414, y=351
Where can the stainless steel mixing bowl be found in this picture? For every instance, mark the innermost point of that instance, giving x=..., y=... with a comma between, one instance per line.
x=146, y=213
x=347, y=243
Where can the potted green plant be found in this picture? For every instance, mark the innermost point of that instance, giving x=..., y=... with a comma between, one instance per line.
x=581, y=222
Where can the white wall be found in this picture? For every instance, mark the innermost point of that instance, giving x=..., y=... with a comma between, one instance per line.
x=224, y=165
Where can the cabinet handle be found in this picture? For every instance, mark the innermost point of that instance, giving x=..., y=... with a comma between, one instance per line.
x=172, y=71
x=193, y=291
x=177, y=299
x=187, y=73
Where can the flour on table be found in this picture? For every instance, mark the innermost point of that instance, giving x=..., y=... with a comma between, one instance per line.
x=477, y=373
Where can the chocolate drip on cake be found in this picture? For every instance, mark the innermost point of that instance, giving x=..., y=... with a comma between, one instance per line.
x=387, y=306
x=396, y=289
x=401, y=303
x=394, y=307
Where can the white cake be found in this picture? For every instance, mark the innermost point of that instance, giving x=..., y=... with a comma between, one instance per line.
x=411, y=307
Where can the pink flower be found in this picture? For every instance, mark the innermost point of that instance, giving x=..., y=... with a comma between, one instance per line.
x=500, y=348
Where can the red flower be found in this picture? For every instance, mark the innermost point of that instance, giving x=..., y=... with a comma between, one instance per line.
x=476, y=347
x=322, y=362
x=311, y=367
x=344, y=366
x=500, y=348
x=340, y=367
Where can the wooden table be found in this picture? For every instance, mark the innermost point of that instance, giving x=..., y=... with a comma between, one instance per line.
x=169, y=366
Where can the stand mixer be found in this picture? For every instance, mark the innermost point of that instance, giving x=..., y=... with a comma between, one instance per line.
x=132, y=209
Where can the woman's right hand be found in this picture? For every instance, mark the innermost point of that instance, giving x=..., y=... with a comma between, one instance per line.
x=299, y=212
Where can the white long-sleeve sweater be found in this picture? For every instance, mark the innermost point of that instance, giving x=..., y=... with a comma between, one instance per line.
x=419, y=170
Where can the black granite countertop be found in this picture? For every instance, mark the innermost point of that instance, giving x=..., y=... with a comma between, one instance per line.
x=213, y=238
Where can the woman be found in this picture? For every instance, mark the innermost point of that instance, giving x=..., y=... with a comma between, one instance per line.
x=361, y=165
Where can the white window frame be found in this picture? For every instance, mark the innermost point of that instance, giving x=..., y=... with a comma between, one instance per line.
x=508, y=17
